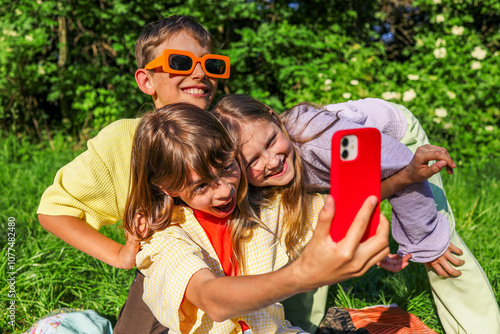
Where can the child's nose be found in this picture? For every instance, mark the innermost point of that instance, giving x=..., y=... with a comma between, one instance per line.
x=272, y=161
x=225, y=189
x=198, y=72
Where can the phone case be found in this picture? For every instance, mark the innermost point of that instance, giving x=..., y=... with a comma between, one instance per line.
x=354, y=178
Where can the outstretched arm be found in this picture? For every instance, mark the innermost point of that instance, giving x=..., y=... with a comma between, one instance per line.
x=323, y=262
x=418, y=169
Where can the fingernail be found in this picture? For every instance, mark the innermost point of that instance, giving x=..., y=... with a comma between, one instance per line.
x=328, y=200
x=373, y=199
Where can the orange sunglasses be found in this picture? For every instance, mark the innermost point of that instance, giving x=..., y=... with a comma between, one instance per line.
x=184, y=62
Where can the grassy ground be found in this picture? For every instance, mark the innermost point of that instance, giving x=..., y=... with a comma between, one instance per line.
x=51, y=274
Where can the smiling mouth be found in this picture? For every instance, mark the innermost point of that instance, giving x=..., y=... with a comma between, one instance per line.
x=195, y=91
x=226, y=208
x=282, y=167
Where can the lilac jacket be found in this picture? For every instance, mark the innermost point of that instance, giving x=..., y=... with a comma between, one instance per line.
x=416, y=225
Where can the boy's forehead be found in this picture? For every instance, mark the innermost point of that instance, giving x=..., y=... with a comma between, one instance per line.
x=182, y=41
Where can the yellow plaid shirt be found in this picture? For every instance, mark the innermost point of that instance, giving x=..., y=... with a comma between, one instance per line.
x=174, y=255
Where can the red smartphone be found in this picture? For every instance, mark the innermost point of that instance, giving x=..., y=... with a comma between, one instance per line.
x=354, y=176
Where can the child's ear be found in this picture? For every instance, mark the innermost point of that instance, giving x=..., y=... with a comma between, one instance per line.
x=144, y=81
x=170, y=193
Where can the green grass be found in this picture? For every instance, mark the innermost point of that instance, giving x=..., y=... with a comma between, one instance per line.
x=474, y=195
x=51, y=274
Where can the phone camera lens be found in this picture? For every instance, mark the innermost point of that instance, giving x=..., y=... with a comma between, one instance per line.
x=345, y=154
x=345, y=141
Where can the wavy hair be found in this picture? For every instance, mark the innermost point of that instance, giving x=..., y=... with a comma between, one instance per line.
x=234, y=111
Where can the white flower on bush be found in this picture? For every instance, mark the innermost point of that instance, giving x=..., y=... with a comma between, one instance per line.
x=353, y=59
x=479, y=53
x=29, y=38
x=320, y=75
x=457, y=31
x=409, y=95
x=440, y=53
x=41, y=70
x=39, y=2
x=18, y=11
x=327, y=88
x=354, y=82
x=413, y=77
x=447, y=126
x=440, y=112
x=436, y=2
x=440, y=42
x=436, y=120
x=440, y=18
x=420, y=42
x=451, y=95
x=391, y=96
x=328, y=82
x=9, y=33
x=475, y=65
x=489, y=128
x=346, y=95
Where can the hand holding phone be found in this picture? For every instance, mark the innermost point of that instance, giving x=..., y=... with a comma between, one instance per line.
x=354, y=176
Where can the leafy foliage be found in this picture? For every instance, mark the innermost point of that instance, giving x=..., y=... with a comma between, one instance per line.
x=69, y=66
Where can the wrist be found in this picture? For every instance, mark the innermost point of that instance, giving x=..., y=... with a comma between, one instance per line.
x=404, y=177
x=299, y=276
x=125, y=258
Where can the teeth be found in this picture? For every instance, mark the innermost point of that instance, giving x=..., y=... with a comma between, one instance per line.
x=194, y=91
x=225, y=206
x=278, y=171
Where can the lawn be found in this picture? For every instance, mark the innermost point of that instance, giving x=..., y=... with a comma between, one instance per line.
x=47, y=274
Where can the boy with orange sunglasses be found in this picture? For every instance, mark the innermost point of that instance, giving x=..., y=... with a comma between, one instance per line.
x=91, y=191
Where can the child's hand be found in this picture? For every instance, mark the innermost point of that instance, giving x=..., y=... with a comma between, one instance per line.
x=126, y=255
x=442, y=264
x=418, y=169
x=394, y=262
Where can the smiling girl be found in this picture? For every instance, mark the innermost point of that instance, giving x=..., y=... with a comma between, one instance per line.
x=270, y=154
x=212, y=265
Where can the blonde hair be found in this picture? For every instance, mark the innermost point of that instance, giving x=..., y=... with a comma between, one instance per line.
x=234, y=111
x=168, y=145
x=156, y=33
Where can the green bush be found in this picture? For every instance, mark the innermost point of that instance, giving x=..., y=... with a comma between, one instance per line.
x=69, y=66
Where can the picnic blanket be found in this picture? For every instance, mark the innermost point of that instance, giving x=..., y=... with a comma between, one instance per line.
x=71, y=321
x=380, y=319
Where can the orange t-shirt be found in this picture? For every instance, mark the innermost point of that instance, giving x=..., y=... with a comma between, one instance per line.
x=219, y=235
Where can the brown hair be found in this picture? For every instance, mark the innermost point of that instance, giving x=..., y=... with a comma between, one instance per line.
x=170, y=143
x=234, y=111
x=156, y=33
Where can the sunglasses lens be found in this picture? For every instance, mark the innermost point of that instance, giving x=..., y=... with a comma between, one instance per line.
x=215, y=66
x=180, y=62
